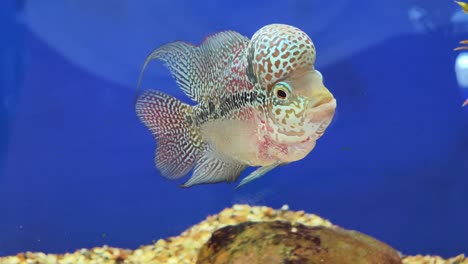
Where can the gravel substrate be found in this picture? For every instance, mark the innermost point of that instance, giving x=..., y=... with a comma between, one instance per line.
x=184, y=248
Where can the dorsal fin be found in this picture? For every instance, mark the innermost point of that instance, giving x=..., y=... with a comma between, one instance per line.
x=199, y=70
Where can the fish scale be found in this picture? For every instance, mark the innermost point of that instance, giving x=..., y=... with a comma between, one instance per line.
x=260, y=102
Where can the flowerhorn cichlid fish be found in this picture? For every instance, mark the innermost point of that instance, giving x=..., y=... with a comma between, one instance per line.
x=260, y=102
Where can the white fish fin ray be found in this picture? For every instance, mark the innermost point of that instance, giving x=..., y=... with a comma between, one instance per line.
x=198, y=70
x=213, y=167
x=257, y=174
x=168, y=120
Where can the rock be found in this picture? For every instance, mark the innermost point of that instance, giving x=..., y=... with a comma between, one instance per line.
x=283, y=242
x=185, y=248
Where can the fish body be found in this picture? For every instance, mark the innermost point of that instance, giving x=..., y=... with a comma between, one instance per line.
x=465, y=103
x=260, y=103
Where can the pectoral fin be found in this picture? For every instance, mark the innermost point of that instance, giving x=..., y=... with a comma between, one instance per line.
x=257, y=174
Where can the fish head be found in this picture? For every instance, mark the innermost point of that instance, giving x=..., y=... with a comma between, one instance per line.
x=298, y=107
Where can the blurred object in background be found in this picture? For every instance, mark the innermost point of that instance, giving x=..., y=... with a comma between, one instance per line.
x=460, y=22
x=463, y=5
x=420, y=20
x=11, y=67
x=461, y=70
x=431, y=16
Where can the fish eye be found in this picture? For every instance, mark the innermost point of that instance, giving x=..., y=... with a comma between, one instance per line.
x=280, y=93
x=282, y=90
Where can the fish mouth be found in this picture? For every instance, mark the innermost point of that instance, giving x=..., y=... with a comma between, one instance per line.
x=322, y=114
x=324, y=103
x=320, y=97
x=326, y=106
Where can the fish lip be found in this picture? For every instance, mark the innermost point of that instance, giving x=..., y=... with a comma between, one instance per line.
x=322, y=113
x=331, y=104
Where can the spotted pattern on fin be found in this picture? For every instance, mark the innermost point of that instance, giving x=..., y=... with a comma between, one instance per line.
x=199, y=70
x=178, y=140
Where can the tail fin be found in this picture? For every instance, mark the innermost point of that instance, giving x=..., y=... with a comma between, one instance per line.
x=171, y=123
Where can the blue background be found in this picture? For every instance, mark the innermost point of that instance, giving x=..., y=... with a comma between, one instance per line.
x=76, y=165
